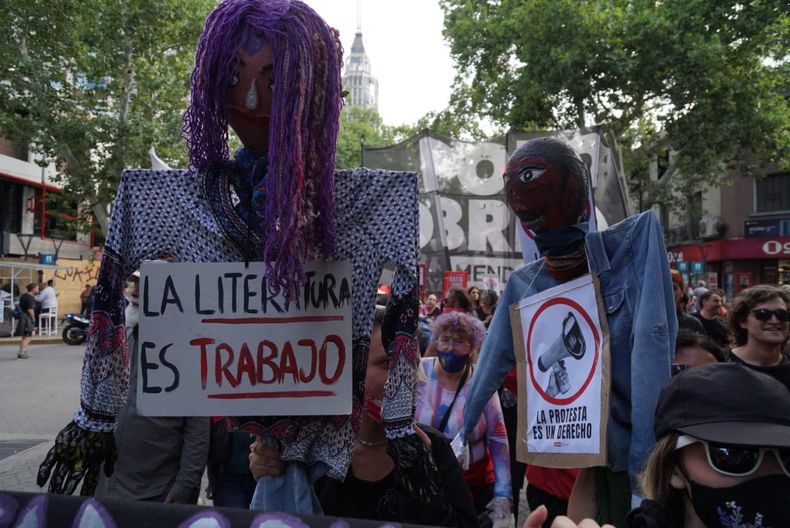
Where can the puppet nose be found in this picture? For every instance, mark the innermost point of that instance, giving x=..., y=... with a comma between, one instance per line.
x=251, y=99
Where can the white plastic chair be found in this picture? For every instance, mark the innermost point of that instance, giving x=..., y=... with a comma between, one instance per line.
x=48, y=321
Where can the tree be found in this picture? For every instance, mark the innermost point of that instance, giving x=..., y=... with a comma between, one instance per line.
x=94, y=84
x=707, y=80
x=358, y=124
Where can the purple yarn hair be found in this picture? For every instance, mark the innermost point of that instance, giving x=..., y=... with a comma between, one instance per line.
x=305, y=118
x=461, y=324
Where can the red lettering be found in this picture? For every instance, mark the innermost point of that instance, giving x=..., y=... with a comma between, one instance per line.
x=202, y=342
x=313, y=352
x=341, y=359
x=223, y=368
x=246, y=365
x=267, y=360
x=288, y=363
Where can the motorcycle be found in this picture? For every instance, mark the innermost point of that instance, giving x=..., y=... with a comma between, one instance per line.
x=76, y=330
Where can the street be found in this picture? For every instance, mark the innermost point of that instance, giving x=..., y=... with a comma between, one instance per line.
x=37, y=398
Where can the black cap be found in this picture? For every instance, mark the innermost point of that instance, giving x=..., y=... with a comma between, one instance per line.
x=728, y=403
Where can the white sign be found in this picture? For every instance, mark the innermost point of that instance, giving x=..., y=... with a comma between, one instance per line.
x=214, y=342
x=563, y=369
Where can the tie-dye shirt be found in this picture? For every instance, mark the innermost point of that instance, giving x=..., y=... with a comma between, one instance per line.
x=490, y=433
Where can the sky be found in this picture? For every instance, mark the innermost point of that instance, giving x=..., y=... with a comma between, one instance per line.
x=408, y=56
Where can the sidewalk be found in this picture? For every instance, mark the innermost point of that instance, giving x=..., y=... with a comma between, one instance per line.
x=43, y=340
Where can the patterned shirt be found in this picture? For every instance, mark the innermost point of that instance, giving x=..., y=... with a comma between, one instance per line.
x=189, y=216
x=490, y=433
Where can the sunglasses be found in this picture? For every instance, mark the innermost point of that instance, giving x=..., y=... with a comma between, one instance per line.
x=737, y=461
x=677, y=368
x=764, y=314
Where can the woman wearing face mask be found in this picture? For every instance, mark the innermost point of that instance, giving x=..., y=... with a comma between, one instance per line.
x=722, y=459
x=372, y=490
x=443, y=383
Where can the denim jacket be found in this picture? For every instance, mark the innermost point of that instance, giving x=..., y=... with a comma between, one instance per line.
x=631, y=263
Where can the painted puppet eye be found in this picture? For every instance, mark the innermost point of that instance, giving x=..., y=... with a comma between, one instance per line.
x=529, y=174
x=234, y=79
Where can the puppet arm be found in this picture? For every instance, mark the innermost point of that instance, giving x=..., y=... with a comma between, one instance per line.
x=86, y=444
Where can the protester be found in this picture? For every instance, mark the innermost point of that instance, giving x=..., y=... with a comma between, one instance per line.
x=723, y=311
x=458, y=300
x=231, y=484
x=759, y=323
x=372, y=489
x=685, y=321
x=488, y=302
x=160, y=459
x=474, y=295
x=430, y=308
x=443, y=385
x=708, y=315
x=721, y=461
x=27, y=322
x=693, y=350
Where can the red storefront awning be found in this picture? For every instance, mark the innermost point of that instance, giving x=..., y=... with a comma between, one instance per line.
x=732, y=249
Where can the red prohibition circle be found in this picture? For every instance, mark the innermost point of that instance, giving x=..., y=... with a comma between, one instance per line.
x=573, y=397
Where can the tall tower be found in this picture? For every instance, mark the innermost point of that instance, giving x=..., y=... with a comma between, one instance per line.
x=363, y=87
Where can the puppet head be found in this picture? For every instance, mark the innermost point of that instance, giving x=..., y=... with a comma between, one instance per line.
x=271, y=68
x=546, y=185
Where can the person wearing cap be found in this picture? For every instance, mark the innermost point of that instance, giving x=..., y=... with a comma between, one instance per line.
x=721, y=460
x=685, y=321
x=760, y=323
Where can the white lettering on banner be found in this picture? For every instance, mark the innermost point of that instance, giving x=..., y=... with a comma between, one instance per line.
x=482, y=268
x=487, y=220
x=426, y=225
x=774, y=247
x=452, y=218
x=563, y=343
x=214, y=342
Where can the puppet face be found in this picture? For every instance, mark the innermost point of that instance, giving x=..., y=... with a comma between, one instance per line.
x=546, y=185
x=250, y=97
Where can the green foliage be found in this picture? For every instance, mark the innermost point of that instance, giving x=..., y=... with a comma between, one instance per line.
x=358, y=123
x=94, y=84
x=708, y=80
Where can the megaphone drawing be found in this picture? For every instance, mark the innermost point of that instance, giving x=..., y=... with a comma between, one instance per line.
x=570, y=343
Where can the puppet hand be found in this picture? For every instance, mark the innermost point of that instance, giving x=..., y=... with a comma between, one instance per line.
x=461, y=451
x=77, y=454
x=265, y=460
x=500, y=512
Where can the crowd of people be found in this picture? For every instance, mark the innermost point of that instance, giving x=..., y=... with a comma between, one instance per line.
x=432, y=431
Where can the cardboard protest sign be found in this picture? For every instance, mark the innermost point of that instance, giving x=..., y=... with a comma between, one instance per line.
x=562, y=352
x=214, y=342
x=454, y=279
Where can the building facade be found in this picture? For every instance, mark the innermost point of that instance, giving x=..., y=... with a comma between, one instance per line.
x=735, y=236
x=27, y=227
x=357, y=77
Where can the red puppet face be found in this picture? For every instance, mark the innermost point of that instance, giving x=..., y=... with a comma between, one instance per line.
x=546, y=185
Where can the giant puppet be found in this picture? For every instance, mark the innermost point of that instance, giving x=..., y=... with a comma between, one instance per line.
x=546, y=187
x=271, y=70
